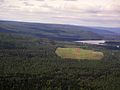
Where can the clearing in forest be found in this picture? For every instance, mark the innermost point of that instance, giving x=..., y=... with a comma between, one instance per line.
x=78, y=53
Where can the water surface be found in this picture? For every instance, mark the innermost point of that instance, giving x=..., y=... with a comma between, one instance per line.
x=98, y=42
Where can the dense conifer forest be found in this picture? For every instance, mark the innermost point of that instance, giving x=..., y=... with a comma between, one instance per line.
x=30, y=63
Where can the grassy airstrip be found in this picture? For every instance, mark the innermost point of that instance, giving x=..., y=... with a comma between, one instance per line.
x=78, y=53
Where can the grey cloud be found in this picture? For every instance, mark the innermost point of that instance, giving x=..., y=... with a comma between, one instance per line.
x=70, y=0
x=2, y=0
x=90, y=21
x=91, y=15
x=93, y=11
x=28, y=4
x=101, y=20
x=40, y=0
x=13, y=7
x=47, y=6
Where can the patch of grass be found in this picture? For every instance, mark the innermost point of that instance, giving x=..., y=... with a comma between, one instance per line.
x=78, y=53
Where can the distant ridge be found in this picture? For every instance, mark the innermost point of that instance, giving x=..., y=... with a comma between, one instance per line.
x=115, y=30
x=57, y=31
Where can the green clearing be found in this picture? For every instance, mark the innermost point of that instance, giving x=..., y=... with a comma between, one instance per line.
x=78, y=53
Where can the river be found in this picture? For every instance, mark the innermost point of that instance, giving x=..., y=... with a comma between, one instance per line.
x=96, y=42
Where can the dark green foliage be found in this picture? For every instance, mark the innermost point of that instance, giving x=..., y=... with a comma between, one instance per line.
x=28, y=63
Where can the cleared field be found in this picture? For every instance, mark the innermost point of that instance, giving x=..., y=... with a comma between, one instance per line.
x=78, y=53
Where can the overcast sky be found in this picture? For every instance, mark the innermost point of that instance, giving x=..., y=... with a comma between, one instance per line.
x=79, y=12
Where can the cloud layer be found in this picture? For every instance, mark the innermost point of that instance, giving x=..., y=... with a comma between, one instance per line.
x=80, y=12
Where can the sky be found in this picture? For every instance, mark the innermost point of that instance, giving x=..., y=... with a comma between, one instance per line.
x=103, y=13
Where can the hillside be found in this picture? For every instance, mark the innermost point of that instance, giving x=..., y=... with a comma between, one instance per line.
x=56, y=31
x=116, y=30
x=31, y=63
x=28, y=62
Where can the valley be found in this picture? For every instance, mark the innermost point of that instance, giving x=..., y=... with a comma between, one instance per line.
x=46, y=57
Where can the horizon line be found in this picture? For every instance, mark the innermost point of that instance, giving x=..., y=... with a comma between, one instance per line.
x=37, y=22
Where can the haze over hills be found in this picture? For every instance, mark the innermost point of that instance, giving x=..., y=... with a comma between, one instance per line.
x=57, y=31
x=116, y=30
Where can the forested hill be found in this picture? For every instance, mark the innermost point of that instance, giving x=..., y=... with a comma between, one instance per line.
x=116, y=30
x=56, y=31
